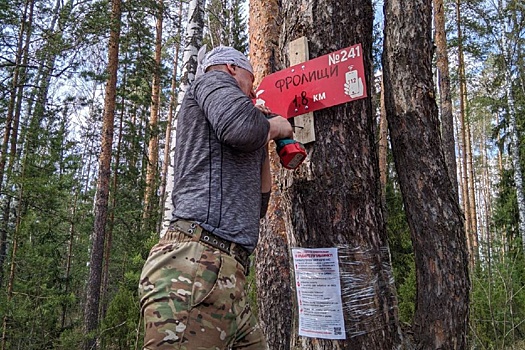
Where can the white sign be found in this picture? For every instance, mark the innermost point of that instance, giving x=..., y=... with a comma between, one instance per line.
x=318, y=293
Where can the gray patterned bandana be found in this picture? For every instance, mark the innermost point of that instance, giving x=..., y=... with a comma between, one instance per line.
x=221, y=55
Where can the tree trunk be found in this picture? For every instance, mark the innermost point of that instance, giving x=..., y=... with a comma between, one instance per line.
x=334, y=200
x=91, y=306
x=383, y=146
x=514, y=134
x=445, y=98
x=472, y=201
x=153, y=149
x=11, y=279
x=169, y=122
x=45, y=71
x=69, y=257
x=14, y=252
x=500, y=147
x=274, y=294
x=434, y=215
x=15, y=87
x=13, y=119
x=194, y=33
x=112, y=205
x=468, y=182
x=486, y=194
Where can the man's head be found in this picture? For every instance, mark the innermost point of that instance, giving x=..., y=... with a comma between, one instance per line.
x=230, y=60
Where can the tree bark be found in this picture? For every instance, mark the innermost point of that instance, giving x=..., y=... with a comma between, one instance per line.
x=272, y=255
x=91, y=306
x=434, y=215
x=169, y=122
x=153, y=147
x=469, y=202
x=334, y=200
x=445, y=97
x=112, y=204
x=194, y=33
x=383, y=145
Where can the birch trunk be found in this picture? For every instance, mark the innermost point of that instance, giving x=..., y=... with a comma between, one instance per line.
x=169, y=123
x=194, y=33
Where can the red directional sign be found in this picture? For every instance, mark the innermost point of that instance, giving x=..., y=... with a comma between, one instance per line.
x=323, y=82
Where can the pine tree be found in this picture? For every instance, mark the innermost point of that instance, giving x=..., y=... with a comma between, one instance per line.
x=350, y=201
x=91, y=308
x=272, y=266
x=445, y=97
x=153, y=147
x=434, y=216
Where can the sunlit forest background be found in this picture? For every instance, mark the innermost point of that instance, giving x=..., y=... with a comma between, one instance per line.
x=53, y=74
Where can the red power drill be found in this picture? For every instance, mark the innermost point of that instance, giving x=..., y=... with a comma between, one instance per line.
x=291, y=153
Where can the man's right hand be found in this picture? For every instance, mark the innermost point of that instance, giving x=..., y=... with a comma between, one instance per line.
x=280, y=128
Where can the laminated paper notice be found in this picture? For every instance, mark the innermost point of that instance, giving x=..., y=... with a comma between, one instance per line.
x=318, y=293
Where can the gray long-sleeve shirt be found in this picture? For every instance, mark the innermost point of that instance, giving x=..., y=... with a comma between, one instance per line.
x=218, y=158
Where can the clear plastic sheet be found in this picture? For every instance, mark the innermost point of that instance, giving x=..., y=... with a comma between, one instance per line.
x=367, y=287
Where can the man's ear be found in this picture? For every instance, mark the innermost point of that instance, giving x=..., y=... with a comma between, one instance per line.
x=231, y=69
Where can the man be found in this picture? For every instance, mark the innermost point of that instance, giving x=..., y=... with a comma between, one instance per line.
x=192, y=285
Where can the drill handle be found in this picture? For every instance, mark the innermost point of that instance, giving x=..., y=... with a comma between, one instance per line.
x=291, y=153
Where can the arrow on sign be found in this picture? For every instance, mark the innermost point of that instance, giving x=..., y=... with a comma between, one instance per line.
x=323, y=82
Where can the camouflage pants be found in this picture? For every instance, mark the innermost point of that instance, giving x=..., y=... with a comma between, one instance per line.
x=192, y=297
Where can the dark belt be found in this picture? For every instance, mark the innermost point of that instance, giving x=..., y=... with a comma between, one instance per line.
x=193, y=230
